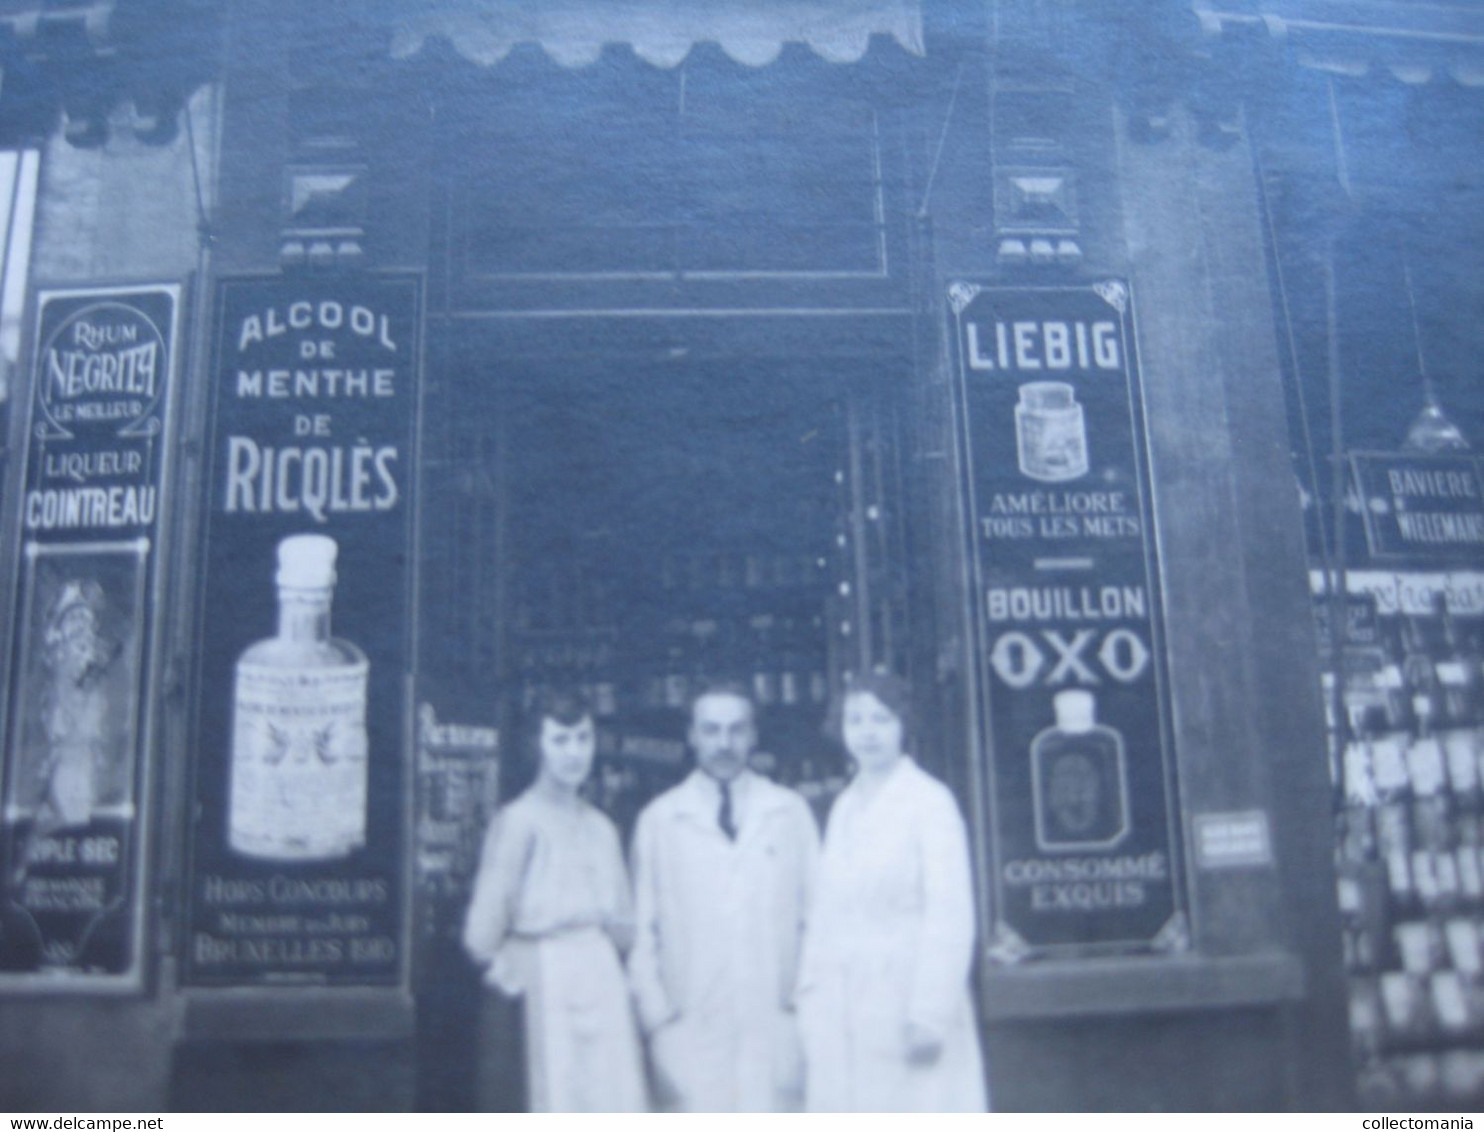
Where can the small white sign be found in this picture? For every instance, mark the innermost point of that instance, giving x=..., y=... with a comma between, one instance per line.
x=1233, y=840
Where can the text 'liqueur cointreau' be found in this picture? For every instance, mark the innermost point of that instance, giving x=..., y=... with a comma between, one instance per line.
x=299, y=725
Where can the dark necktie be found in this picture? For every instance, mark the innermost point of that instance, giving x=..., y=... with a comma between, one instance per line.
x=724, y=817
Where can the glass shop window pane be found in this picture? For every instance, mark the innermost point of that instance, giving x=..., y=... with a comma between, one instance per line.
x=18, y=171
x=779, y=194
x=685, y=183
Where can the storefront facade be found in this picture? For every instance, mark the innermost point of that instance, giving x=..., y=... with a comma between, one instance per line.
x=962, y=340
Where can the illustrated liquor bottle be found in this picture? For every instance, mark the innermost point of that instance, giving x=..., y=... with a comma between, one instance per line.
x=298, y=780
x=1080, y=782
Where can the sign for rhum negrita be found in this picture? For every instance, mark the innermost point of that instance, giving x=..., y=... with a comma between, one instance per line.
x=1082, y=804
x=91, y=476
x=298, y=853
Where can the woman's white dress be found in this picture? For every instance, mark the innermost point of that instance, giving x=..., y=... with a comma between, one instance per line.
x=890, y=942
x=550, y=896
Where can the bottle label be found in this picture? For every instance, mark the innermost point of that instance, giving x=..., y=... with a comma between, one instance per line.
x=1424, y=877
x=1466, y=863
x=1453, y=673
x=299, y=761
x=1448, y=1000
x=1401, y=1000
x=1445, y=869
x=1360, y=784
x=1389, y=763
x=1398, y=874
x=1425, y=766
x=1462, y=752
x=1463, y=945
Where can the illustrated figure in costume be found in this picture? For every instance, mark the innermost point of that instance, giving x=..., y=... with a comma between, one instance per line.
x=74, y=708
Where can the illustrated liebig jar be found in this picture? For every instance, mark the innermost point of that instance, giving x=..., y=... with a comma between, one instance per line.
x=1050, y=432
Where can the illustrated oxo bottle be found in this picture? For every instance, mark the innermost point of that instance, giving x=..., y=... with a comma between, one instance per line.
x=1079, y=778
x=298, y=778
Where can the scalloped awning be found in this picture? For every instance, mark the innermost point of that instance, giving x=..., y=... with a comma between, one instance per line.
x=1415, y=41
x=662, y=32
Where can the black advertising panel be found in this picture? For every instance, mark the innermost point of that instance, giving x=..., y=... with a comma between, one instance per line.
x=1421, y=509
x=302, y=736
x=91, y=478
x=1082, y=806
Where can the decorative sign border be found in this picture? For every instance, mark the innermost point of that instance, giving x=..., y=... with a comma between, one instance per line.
x=1084, y=838
x=313, y=429
x=91, y=507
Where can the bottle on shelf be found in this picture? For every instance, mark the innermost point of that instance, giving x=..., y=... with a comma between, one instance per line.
x=1408, y=1008
x=1395, y=696
x=1367, y=1017
x=1467, y=865
x=1434, y=869
x=1333, y=727
x=791, y=676
x=1420, y=1077
x=1389, y=744
x=1426, y=767
x=1465, y=954
x=1455, y=1009
x=763, y=662
x=1458, y=670
x=1420, y=674
x=1361, y=796
x=819, y=686
x=676, y=684
x=1460, y=677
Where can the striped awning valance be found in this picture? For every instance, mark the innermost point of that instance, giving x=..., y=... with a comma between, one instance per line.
x=662, y=32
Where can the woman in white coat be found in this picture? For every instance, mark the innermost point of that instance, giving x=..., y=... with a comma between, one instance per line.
x=550, y=914
x=884, y=1005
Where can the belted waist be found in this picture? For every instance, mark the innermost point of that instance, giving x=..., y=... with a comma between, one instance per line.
x=562, y=932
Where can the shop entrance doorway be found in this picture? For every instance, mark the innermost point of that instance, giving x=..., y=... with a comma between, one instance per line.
x=639, y=529
x=680, y=525
x=637, y=521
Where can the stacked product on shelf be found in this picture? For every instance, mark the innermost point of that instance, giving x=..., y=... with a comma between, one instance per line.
x=1407, y=747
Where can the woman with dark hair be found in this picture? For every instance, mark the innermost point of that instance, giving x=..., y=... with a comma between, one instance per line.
x=550, y=915
x=884, y=1007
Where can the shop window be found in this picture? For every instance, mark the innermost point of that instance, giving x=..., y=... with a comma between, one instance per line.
x=692, y=174
x=18, y=169
x=1381, y=329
